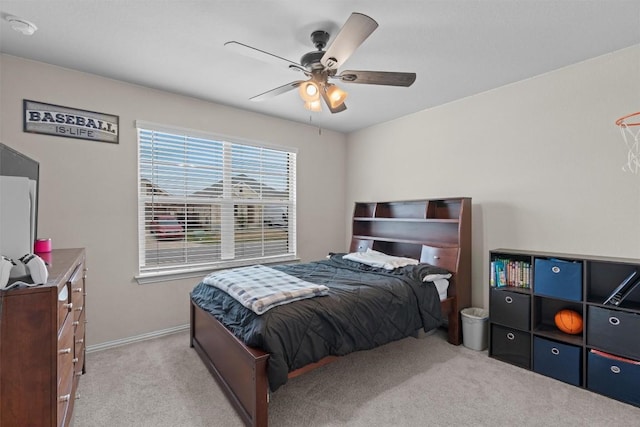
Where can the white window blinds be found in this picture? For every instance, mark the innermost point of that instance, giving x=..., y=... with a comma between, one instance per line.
x=207, y=202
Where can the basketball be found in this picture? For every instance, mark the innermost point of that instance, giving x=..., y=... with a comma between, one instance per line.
x=569, y=321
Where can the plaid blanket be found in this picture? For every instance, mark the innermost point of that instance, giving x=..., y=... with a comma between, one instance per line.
x=261, y=288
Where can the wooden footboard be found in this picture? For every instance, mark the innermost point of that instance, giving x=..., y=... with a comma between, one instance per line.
x=241, y=371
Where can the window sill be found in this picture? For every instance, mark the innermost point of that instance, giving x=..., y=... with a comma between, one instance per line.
x=201, y=272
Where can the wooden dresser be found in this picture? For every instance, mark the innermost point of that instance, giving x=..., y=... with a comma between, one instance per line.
x=42, y=347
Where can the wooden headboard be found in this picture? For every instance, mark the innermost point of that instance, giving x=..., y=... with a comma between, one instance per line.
x=435, y=231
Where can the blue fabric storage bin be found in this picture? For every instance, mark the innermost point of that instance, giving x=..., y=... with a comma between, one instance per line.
x=557, y=360
x=557, y=278
x=615, y=378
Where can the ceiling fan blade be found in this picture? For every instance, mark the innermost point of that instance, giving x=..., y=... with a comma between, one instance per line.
x=355, y=31
x=259, y=54
x=388, y=78
x=337, y=109
x=277, y=91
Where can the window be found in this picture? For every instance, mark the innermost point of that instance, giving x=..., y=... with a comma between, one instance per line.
x=207, y=202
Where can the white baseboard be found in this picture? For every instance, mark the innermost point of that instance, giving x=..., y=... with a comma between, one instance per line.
x=137, y=338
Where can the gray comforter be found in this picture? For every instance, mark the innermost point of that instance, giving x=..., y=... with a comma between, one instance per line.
x=366, y=307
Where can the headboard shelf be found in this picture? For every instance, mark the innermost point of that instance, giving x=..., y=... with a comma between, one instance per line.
x=453, y=221
x=437, y=243
x=417, y=231
x=446, y=208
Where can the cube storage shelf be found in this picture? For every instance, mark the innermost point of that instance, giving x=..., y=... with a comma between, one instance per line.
x=604, y=357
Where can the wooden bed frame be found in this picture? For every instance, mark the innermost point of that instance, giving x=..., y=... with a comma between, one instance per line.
x=437, y=231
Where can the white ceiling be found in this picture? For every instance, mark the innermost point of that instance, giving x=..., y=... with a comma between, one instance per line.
x=457, y=48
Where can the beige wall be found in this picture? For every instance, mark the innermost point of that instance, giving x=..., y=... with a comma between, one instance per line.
x=541, y=158
x=88, y=194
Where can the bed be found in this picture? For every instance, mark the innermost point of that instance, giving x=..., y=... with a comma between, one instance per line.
x=437, y=232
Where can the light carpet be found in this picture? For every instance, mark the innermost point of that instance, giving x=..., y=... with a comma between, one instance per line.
x=411, y=382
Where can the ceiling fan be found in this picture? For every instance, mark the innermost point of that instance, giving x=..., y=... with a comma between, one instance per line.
x=321, y=66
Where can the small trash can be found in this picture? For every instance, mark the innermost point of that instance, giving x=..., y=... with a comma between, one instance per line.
x=475, y=327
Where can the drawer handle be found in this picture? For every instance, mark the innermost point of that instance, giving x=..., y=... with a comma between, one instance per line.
x=615, y=369
x=510, y=336
x=555, y=351
x=64, y=398
x=68, y=305
x=65, y=351
x=80, y=341
x=508, y=300
x=75, y=323
x=78, y=374
x=614, y=321
x=78, y=308
x=77, y=290
x=75, y=360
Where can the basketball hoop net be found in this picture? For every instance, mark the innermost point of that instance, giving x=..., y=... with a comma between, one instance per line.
x=630, y=129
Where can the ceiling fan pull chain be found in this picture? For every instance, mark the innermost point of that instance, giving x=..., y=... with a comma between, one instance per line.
x=319, y=128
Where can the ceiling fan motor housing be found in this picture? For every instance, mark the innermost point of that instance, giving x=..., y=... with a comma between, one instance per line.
x=311, y=60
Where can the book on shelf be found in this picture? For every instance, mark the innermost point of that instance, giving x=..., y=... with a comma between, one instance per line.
x=501, y=275
x=492, y=275
x=509, y=272
x=623, y=289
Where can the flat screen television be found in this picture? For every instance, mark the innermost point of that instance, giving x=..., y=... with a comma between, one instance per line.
x=19, y=186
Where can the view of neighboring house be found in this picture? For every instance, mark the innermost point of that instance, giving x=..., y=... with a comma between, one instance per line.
x=202, y=209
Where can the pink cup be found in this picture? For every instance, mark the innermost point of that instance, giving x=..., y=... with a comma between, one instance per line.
x=42, y=245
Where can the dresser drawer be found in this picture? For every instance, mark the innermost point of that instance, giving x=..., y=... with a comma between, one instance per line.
x=557, y=360
x=79, y=332
x=65, y=369
x=76, y=287
x=78, y=366
x=77, y=298
x=79, y=344
x=78, y=307
x=511, y=345
x=65, y=350
x=64, y=397
x=510, y=308
x=610, y=331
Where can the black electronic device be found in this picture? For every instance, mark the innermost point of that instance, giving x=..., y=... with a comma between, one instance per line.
x=624, y=288
x=19, y=189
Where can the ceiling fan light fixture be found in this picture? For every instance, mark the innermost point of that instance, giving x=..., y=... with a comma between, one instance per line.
x=315, y=106
x=336, y=95
x=309, y=91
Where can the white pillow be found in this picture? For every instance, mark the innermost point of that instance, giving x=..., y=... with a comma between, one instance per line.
x=434, y=277
x=380, y=260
